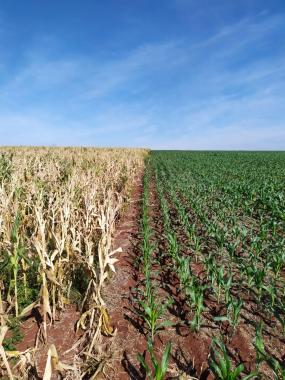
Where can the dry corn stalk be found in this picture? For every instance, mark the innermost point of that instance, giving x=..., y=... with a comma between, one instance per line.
x=3, y=331
x=54, y=364
x=67, y=201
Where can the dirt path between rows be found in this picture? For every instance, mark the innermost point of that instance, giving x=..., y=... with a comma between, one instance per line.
x=128, y=341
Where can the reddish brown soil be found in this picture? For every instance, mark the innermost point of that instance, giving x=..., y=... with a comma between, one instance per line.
x=61, y=334
x=128, y=340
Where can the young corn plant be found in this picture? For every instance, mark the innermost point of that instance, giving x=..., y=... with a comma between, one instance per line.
x=197, y=245
x=262, y=356
x=220, y=273
x=259, y=276
x=195, y=298
x=159, y=368
x=277, y=262
x=220, y=237
x=184, y=271
x=191, y=230
x=231, y=248
x=249, y=274
x=210, y=264
x=173, y=247
x=281, y=319
x=153, y=311
x=272, y=294
x=198, y=301
x=227, y=287
x=234, y=307
x=221, y=366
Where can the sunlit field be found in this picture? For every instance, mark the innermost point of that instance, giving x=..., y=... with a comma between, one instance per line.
x=200, y=286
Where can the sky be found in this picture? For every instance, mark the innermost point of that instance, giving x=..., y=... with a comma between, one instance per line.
x=161, y=74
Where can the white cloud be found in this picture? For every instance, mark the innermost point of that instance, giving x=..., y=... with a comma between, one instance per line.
x=172, y=94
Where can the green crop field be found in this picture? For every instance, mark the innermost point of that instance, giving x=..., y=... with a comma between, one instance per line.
x=221, y=244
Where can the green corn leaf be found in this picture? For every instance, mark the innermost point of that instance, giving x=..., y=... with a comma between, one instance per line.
x=216, y=370
x=221, y=319
x=165, y=358
x=142, y=361
x=250, y=376
x=238, y=370
x=165, y=324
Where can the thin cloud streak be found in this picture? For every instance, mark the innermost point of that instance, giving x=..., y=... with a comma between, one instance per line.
x=176, y=93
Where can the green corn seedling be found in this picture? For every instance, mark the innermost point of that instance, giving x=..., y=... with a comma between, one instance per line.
x=234, y=308
x=195, y=294
x=184, y=271
x=272, y=293
x=259, y=275
x=227, y=287
x=220, y=282
x=281, y=319
x=198, y=309
x=259, y=345
x=159, y=368
x=173, y=246
x=153, y=311
x=221, y=366
x=262, y=356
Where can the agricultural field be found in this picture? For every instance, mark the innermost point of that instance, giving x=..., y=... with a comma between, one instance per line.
x=166, y=264
x=57, y=215
x=212, y=294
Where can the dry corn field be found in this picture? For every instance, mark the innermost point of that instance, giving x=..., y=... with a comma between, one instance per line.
x=58, y=211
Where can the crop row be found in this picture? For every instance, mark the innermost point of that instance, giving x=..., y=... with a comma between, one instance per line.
x=223, y=213
x=58, y=208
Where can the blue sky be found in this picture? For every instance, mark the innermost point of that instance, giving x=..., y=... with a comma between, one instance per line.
x=170, y=74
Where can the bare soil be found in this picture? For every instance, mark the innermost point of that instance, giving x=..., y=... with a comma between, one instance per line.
x=61, y=333
x=129, y=338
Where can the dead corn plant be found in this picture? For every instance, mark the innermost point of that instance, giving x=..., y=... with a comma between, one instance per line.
x=58, y=208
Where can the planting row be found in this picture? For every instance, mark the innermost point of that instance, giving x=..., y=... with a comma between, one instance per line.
x=58, y=208
x=223, y=243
